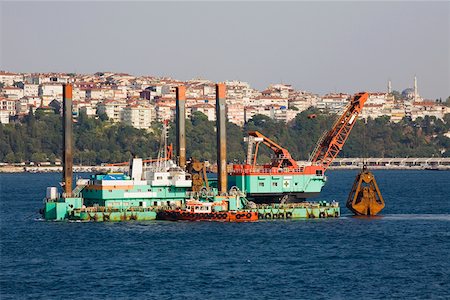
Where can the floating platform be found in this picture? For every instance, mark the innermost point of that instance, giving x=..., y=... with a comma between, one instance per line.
x=69, y=209
x=308, y=210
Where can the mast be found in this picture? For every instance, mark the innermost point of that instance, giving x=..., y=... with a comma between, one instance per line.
x=221, y=137
x=67, y=150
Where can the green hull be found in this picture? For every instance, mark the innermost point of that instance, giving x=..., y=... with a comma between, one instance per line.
x=298, y=211
x=116, y=216
x=270, y=187
x=124, y=200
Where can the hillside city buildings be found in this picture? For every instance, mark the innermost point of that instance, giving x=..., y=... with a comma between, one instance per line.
x=139, y=101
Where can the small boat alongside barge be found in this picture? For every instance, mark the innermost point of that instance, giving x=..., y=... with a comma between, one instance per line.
x=204, y=211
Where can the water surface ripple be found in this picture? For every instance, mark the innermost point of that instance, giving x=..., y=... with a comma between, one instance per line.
x=403, y=254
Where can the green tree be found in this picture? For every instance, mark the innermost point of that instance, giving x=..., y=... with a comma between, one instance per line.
x=38, y=157
x=10, y=158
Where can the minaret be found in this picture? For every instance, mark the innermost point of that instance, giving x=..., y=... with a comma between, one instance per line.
x=389, y=87
x=415, y=88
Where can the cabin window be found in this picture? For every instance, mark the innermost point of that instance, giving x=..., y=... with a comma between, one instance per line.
x=261, y=184
x=159, y=177
x=159, y=190
x=126, y=203
x=274, y=183
x=318, y=172
x=168, y=202
x=155, y=203
x=149, y=190
x=139, y=190
x=110, y=191
x=170, y=177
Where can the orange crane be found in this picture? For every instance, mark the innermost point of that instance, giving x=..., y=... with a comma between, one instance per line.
x=282, y=159
x=332, y=142
x=326, y=149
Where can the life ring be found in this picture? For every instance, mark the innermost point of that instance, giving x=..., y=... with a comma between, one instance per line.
x=275, y=216
x=268, y=216
x=238, y=216
x=288, y=215
x=249, y=215
x=224, y=216
x=322, y=214
x=280, y=215
x=336, y=214
x=260, y=216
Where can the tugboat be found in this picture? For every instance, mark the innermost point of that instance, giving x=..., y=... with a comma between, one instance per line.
x=203, y=211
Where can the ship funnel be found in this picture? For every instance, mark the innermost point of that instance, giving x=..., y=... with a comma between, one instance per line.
x=221, y=138
x=181, y=125
x=68, y=140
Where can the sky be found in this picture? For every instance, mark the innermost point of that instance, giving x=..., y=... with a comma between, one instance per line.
x=315, y=46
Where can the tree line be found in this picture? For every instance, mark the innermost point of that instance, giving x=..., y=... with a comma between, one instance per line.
x=38, y=138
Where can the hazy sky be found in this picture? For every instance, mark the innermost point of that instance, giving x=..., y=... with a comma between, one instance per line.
x=319, y=47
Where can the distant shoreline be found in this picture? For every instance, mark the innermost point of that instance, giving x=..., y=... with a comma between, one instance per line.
x=94, y=169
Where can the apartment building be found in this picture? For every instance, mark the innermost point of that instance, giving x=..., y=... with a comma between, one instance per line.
x=112, y=108
x=138, y=116
x=31, y=90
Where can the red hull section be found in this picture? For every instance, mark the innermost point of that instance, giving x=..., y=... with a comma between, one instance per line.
x=230, y=216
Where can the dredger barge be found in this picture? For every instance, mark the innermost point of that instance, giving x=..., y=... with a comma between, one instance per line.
x=169, y=190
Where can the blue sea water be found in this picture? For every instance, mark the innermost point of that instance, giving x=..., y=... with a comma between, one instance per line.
x=404, y=254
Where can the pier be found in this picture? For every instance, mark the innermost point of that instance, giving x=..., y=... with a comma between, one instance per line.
x=439, y=163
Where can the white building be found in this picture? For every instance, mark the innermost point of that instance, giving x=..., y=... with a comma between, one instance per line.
x=4, y=116
x=78, y=94
x=50, y=91
x=282, y=114
x=205, y=108
x=165, y=112
x=112, y=108
x=236, y=114
x=8, y=78
x=333, y=103
x=13, y=92
x=30, y=90
x=138, y=116
x=7, y=109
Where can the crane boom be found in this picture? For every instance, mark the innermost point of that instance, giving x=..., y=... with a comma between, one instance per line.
x=332, y=142
x=282, y=156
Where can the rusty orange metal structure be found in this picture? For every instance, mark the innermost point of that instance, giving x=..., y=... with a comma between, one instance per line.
x=283, y=158
x=181, y=125
x=222, y=177
x=68, y=140
x=332, y=142
x=365, y=197
x=198, y=171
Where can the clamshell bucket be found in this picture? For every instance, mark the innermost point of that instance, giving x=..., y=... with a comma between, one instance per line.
x=365, y=198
